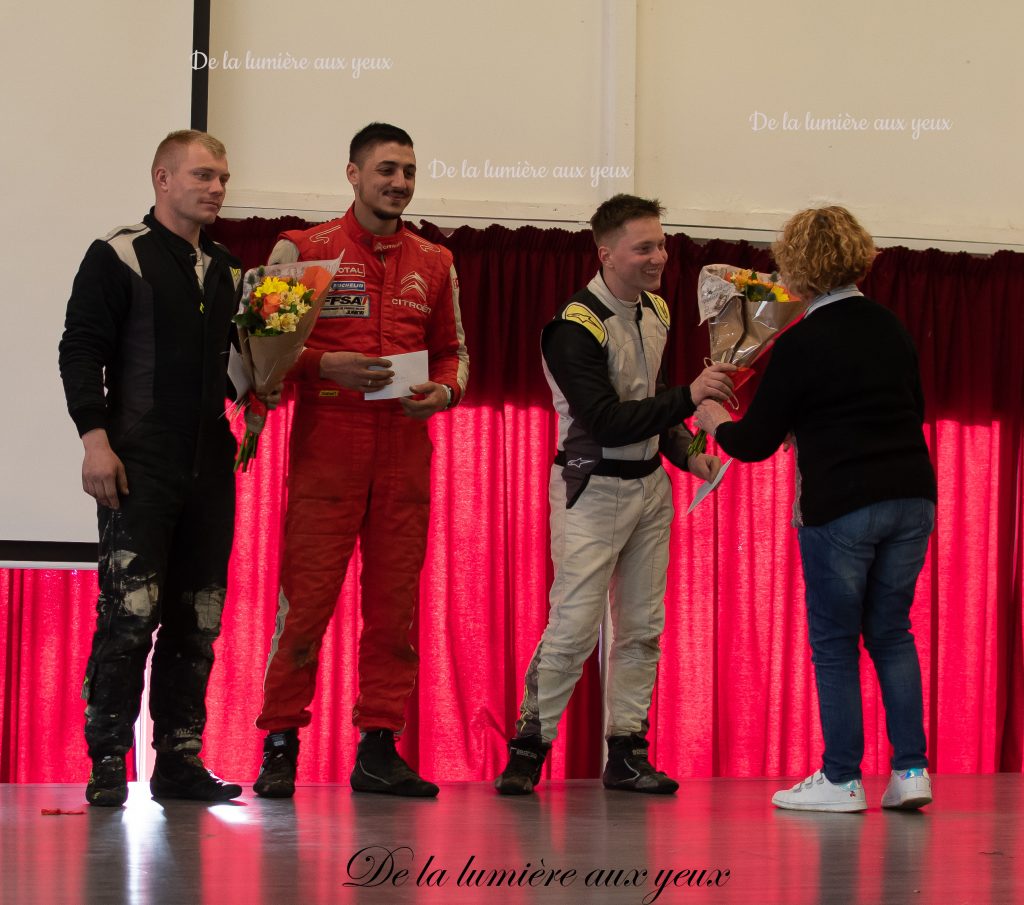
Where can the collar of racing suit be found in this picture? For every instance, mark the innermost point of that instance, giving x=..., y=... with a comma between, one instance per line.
x=379, y=245
x=618, y=306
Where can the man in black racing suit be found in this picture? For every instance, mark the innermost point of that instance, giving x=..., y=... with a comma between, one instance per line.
x=149, y=321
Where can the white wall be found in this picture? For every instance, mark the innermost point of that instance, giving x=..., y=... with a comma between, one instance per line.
x=545, y=88
x=89, y=91
x=714, y=75
x=665, y=93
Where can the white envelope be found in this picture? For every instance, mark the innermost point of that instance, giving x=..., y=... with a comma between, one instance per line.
x=411, y=369
x=708, y=486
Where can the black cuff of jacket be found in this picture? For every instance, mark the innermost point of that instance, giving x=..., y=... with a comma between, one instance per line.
x=689, y=400
x=722, y=433
x=88, y=419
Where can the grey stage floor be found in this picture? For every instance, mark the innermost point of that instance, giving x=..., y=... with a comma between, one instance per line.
x=572, y=843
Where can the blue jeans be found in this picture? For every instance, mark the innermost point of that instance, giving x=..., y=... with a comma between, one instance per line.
x=860, y=571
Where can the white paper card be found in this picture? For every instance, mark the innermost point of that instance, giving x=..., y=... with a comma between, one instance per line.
x=238, y=374
x=708, y=486
x=411, y=369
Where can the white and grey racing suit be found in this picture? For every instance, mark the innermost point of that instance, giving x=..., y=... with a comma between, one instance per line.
x=611, y=503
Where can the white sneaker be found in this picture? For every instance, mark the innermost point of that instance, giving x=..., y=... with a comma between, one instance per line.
x=908, y=789
x=816, y=793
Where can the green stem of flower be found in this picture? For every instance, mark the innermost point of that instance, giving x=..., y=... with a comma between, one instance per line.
x=698, y=444
x=247, y=451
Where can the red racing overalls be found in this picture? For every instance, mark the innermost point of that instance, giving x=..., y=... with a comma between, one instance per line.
x=360, y=468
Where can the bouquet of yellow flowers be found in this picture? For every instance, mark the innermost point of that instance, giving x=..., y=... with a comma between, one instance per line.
x=744, y=311
x=275, y=304
x=280, y=305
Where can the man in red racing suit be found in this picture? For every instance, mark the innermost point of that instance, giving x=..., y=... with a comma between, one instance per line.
x=360, y=467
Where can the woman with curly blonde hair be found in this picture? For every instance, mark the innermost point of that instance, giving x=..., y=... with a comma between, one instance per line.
x=844, y=382
x=821, y=249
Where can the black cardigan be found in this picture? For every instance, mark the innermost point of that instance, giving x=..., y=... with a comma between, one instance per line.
x=844, y=381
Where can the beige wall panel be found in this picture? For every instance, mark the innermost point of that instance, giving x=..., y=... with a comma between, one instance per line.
x=744, y=111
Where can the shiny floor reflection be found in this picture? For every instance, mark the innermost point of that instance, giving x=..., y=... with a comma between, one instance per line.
x=715, y=841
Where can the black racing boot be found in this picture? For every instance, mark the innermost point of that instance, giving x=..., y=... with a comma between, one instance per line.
x=108, y=783
x=526, y=755
x=629, y=770
x=379, y=768
x=277, y=772
x=183, y=775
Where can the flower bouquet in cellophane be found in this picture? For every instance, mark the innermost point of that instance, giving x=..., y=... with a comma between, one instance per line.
x=744, y=311
x=279, y=308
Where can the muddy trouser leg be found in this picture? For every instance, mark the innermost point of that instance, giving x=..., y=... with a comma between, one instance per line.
x=133, y=544
x=585, y=544
x=191, y=609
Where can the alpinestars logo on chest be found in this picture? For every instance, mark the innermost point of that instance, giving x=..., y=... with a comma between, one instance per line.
x=413, y=282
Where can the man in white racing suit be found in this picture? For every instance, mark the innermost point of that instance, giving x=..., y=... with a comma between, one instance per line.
x=610, y=497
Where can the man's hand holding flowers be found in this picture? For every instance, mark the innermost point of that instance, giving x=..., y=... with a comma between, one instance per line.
x=713, y=383
x=272, y=398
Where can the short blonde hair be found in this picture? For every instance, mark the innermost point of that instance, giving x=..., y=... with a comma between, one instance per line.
x=821, y=249
x=169, y=151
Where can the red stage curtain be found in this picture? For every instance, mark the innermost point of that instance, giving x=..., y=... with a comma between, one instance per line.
x=736, y=694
